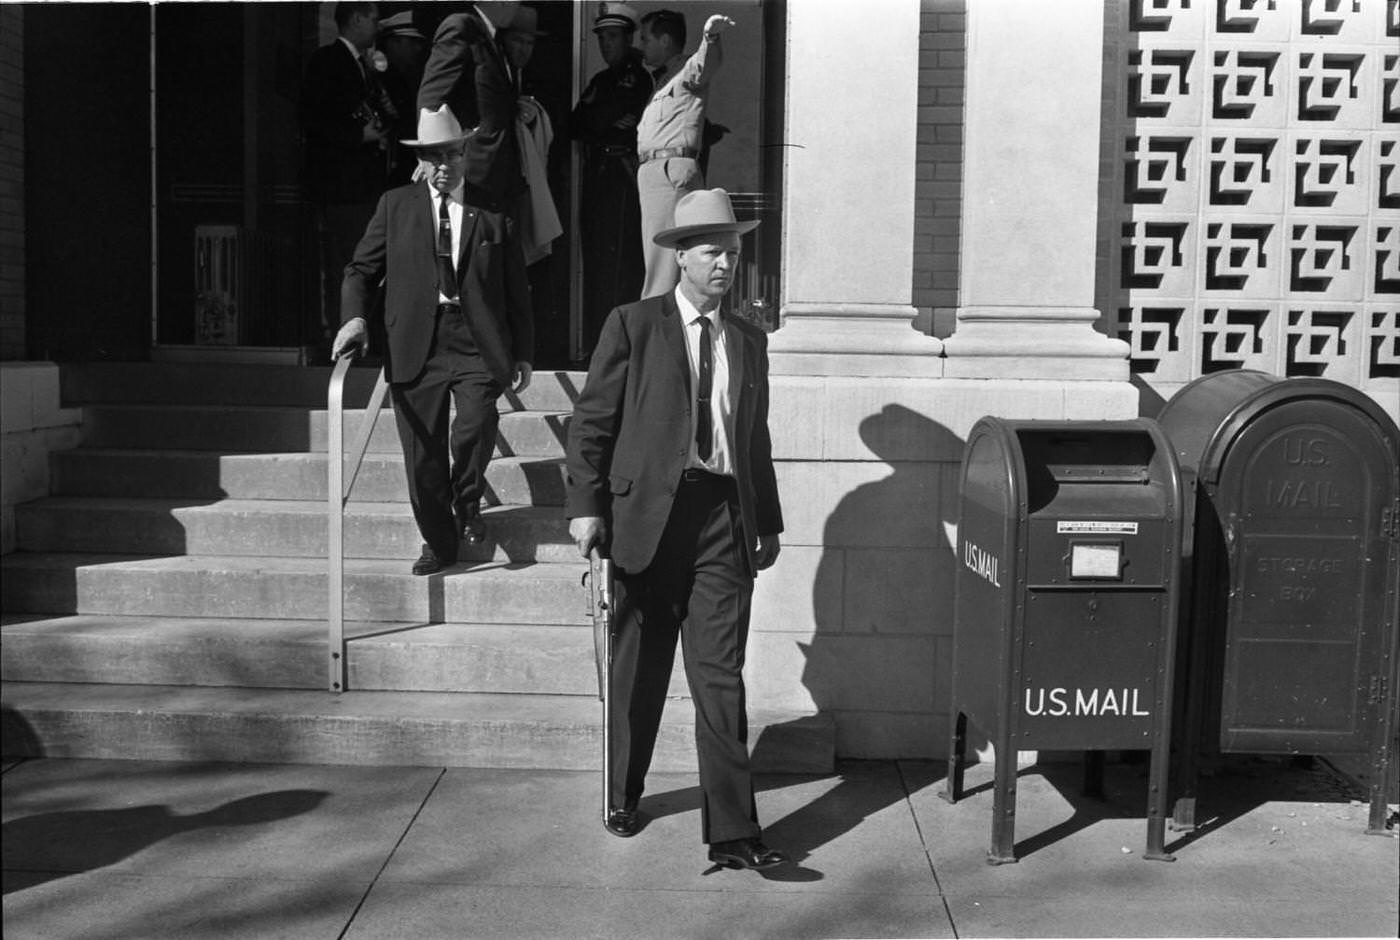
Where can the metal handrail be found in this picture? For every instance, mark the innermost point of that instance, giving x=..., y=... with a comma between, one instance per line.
x=338, y=486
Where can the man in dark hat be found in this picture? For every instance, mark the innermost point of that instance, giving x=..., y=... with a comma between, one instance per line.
x=405, y=49
x=605, y=123
x=467, y=71
x=670, y=471
x=345, y=143
x=460, y=331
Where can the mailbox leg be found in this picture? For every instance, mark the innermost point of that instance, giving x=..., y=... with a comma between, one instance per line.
x=1003, y=850
x=1380, y=776
x=1188, y=758
x=957, y=752
x=1158, y=781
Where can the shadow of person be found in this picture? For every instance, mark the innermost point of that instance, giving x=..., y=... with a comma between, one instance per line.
x=873, y=652
x=48, y=846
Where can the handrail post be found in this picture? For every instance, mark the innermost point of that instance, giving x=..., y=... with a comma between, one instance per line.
x=339, y=482
x=335, y=525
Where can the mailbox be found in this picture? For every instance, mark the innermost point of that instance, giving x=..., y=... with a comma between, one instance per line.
x=1291, y=627
x=1066, y=606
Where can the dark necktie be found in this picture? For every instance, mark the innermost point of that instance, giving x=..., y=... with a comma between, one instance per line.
x=447, y=281
x=704, y=433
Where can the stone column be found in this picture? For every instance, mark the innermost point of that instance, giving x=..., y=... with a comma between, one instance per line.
x=848, y=194
x=1030, y=196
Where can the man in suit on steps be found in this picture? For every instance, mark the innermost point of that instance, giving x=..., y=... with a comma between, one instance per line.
x=459, y=330
x=670, y=469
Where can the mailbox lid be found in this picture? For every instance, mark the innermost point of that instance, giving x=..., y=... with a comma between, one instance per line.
x=1104, y=504
x=1203, y=419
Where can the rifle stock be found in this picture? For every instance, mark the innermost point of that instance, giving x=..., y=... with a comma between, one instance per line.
x=600, y=603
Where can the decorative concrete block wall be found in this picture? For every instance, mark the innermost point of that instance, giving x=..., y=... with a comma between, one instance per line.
x=1252, y=191
x=32, y=425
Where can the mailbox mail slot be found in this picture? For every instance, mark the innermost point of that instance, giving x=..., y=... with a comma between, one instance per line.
x=1065, y=615
x=1292, y=621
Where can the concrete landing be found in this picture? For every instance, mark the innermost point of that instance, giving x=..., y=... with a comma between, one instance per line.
x=126, y=849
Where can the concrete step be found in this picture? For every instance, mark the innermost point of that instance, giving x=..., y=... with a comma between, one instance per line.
x=259, y=384
x=291, y=654
x=290, y=588
x=67, y=720
x=273, y=429
x=273, y=527
x=197, y=474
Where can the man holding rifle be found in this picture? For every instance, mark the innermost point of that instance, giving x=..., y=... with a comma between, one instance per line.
x=670, y=471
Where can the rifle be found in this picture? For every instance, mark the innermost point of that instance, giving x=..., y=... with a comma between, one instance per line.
x=599, y=581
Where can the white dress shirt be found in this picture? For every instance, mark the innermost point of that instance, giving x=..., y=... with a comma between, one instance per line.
x=454, y=213
x=720, y=412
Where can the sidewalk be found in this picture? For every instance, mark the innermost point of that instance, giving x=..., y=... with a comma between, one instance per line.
x=118, y=849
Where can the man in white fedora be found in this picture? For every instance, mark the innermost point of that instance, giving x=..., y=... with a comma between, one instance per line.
x=670, y=471
x=459, y=329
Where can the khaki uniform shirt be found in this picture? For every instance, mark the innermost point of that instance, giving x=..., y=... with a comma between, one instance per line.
x=675, y=116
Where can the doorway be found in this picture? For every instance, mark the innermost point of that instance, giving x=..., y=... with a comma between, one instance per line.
x=237, y=275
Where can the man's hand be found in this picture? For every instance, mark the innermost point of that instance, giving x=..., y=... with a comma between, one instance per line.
x=420, y=171
x=523, y=372
x=588, y=532
x=353, y=336
x=716, y=25
x=767, y=551
x=371, y=133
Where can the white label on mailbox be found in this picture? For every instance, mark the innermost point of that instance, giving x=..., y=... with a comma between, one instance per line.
x=1095, y=561
x=1096, y=527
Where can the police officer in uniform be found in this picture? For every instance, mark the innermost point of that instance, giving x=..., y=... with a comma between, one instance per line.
x=605, y=122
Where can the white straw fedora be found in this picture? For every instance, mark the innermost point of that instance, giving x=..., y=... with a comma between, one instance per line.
x=702, y=212
x=437, y=129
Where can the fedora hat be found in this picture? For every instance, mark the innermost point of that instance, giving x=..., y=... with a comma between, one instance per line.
x=437, y=129
x=615, y=14
x=526, y=21
x=702, y=212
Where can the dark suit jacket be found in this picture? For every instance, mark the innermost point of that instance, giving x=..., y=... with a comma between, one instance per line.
x=467, y=70
x=399, y=247
x=630, y=430
x=340, y=166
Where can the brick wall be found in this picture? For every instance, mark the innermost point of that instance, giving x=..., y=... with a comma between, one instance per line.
x=12, y=308
x=938, y=190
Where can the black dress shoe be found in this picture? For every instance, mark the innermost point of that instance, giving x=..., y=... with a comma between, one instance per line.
x=623, y=822
x=430, y=562
x=472, y=528
x=745, y=853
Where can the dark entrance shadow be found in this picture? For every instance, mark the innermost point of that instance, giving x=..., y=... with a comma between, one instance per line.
x=48, y=846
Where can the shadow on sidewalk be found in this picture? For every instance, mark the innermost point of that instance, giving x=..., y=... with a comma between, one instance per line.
x=48, y=846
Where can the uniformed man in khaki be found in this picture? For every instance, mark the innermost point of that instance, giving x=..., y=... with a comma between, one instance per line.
x=671, y=131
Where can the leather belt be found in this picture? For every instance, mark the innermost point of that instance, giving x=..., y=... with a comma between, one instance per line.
x=665, y=153
x=445, y=309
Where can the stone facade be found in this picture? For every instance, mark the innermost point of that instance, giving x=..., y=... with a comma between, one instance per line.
x=33, y=425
